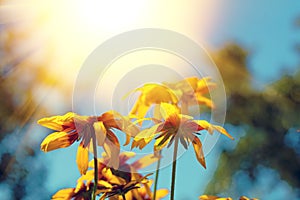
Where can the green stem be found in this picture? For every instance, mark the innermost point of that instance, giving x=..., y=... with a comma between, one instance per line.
x=174, y=168
x=156, y=176
x=96, y=168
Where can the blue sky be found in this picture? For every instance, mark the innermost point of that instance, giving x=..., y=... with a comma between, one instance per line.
x=266, y=29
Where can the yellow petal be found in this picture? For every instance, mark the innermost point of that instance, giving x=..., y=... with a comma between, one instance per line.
x=144, y=162
x=112, y=150
x=145, y=136
x=100, y=132
x=204, y=100
x=210, y=128
x=139, y=109
x=223, y=131
x=64, y=194
x=198, y=150
x=125, y=156
x=152, y=94
x=82, y=159
x=110, y=119
x=161, y=193
x=129, y=128
x=56, y=122
x=58, y=140
x=158, y=145
x=168, y=110
x=204, y=85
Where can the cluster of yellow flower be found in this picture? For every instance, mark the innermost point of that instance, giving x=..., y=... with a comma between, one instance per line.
x=111, y=176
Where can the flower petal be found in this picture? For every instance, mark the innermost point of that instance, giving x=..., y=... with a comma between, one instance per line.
x=144, y=162
x=58, y=140
x=210, y=128
x=82, y=158
x=152, y=94
x=161, y=193
x=159, y=145
x=198, y=150
x=112, y=150
x=204, y=100
x=64, y=194
x=100, y=132
x=145, y=136
x=223, y=131
x=57, y=123
x=169, y=110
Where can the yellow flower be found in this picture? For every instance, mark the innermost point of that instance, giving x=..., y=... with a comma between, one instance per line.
x=152, y=93
x=72, y=127
x=143, y=193
x=83, y=192
x=192, y=90
x=176, y=125
x=123, y=189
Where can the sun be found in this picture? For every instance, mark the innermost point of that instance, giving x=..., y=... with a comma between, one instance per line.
x=64, y=33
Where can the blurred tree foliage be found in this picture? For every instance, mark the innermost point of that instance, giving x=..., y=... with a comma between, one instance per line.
x=268, y=114
x=20, y=170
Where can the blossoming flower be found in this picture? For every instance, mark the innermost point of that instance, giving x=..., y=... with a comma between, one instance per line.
x=142, y=193
x=127, y=172
x=83, y=193
x=123, y=189
x=192, y=91
x=176, y=125
x=72, y=127
x=152, y=93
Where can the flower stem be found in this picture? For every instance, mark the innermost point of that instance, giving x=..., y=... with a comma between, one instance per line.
x=123, y=195
x=96, y=167
x=174, y=168
x=156, y=176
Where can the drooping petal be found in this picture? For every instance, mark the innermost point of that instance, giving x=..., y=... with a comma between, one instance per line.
x=128, y=127
x=125, y=156
x=139, y=109
x=82, y=158
x=169, y=111
x=58, y=140
x=100, y=132
x=211, y=128
x=152, y=94
x=145, y=136
x=205, y=101
x=57, y=123
x=112, y=178
x=161, y=193
x=112, y=150
x=204, y=85
x=198, y=150
x=110, y=119
x=161, y=142
x=144, y=162
x=223, y=131
x=64, y=194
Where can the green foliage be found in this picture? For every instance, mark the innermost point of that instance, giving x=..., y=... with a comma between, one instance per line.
x=269, y=114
